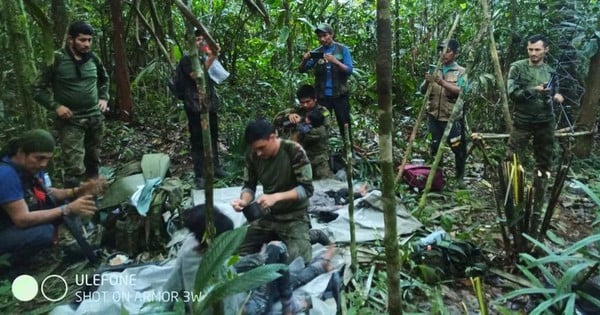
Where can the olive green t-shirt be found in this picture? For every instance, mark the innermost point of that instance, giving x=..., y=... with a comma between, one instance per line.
x=288, y=169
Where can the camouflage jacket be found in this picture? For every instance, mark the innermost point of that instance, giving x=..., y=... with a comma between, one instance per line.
x=529, y=106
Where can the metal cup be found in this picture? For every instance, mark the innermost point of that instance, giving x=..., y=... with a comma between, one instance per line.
x=252, y=211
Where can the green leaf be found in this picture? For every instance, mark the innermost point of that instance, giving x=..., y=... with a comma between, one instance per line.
x=555, y=238
x=547, y=304
x=588, y=191
x=530, y=276
x=220, y=250
x=589, y=298
x=245, y=282
x=564, y=285
x=527, y=291
x=581, y=244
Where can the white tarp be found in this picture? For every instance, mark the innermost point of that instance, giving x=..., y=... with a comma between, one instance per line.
x=150, y=278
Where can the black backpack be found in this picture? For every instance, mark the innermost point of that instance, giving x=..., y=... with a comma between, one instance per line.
x=449, y=259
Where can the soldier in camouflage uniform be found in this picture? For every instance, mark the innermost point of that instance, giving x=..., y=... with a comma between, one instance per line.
x=312, y=134
x=284, y=171
x=76, y=86
x=533, y=116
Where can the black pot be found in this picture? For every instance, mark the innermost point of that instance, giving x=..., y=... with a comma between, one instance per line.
x=252, y=211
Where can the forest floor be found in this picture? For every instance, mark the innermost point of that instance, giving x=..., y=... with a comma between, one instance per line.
x=465, y=211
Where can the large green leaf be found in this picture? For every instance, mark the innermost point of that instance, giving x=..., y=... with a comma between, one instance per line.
x=568, y=278
x=243, y=283
x=581, y=244
x=217, y=254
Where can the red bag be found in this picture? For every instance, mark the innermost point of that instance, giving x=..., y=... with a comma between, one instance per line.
x=416, y=176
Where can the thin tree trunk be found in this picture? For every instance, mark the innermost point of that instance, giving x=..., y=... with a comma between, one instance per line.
x=24, y=70
x=589, y=108
x=497, y=69
x=352, y=224
x=386, y=160
x=124, y=98
x=201, y=77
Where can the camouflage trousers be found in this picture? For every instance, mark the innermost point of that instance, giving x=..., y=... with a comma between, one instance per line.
x=80, y=140
x=293, y=233
x=320, y=167
x=543, y=143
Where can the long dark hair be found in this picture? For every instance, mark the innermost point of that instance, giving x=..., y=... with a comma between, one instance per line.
x=194, y=219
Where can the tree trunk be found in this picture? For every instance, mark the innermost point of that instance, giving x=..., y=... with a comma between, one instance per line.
x=46, y=27
x=24, y=70
x=499, y=77
x=124, y=100
x=60, y=22
x=384, y=94
x=589, y=108
x=201, y=77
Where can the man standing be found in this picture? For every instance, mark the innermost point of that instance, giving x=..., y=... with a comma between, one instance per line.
x=283, y=169
x=29, y=209
x=192, y=109
x=313, y=135
x=332, y=64
x=76, y=86
x=446, y=85
x=532, y=86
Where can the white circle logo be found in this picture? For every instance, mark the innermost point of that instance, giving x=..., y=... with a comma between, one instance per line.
x=64, y=293
x=24, y=288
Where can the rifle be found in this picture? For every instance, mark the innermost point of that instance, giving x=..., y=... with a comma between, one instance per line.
x=552, y=86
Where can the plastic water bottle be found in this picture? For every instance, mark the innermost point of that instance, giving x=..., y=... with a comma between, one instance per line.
x=432, y=238
x=47, y=181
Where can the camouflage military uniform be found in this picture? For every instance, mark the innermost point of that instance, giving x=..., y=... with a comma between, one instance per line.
x=286, y=221
x=315, y=142
x=533, y=116
x=78, y=87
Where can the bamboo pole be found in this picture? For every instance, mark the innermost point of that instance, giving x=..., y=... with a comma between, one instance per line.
x=558, y=133
x=496, y=61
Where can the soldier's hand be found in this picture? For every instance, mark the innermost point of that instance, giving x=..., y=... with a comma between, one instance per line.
x=103, y=104
x=267, y=200
x=94, y=186
x=306, y=55
x=430, y=77
x=64, y=112
x=559, y=98
x=294, y=118
x=238, y=204
x=541, y=89
x=84, y=205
